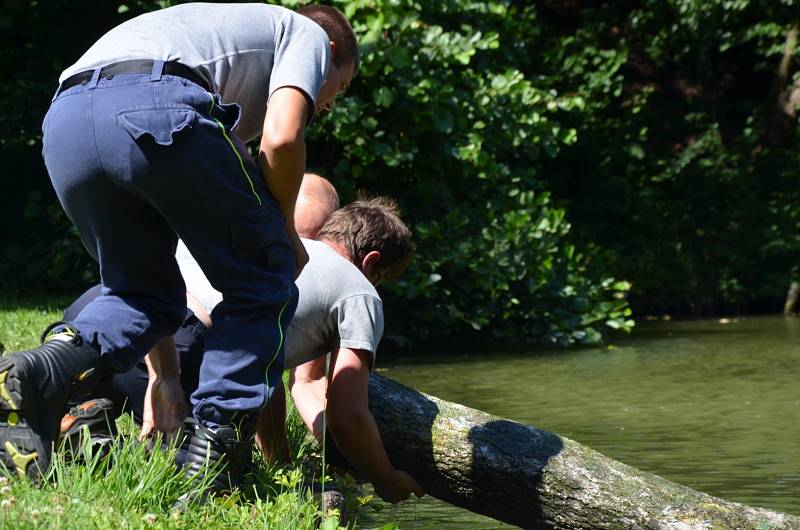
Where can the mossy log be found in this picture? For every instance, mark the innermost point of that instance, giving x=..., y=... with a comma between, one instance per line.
x=531, y=478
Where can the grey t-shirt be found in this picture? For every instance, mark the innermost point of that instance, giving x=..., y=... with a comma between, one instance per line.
x=244, y=51
x=337, y=308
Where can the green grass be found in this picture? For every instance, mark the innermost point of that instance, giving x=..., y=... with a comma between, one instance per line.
x=135, y=488
x=21, y=323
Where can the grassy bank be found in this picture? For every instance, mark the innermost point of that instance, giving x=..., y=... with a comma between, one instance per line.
x=136, y=488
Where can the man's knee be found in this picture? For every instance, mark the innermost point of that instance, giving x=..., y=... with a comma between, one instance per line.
x=165, y=314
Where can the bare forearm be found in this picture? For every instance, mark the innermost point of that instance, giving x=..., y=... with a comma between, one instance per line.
x=355, y=430
x=309, y=400
x=283, y=171
x=198, y=309
x=360, y=442
x=164, y=403
x=162, y=361
x=271, y=436
x=282, y=152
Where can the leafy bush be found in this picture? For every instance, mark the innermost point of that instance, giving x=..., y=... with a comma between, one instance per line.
x=443, y=117
x=685, y=166
x=451, y=115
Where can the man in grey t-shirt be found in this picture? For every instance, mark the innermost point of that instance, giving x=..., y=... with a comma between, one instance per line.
x=144, y=132
x=340, y=313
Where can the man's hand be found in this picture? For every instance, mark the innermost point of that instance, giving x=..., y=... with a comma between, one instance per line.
x=164, y=406
x=300, y=253
x=398, y=487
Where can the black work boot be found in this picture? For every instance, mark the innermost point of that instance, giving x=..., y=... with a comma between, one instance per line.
x=216, y=460
x=35, y=386
x=184, y=442
x=93, y=418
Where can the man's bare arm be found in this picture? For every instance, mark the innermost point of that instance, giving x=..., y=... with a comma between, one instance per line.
x=355, y=430
x=271, y=436
x=308, y=384
x=164, y=402
x=162, y=361
x=282, y=156
x=198, y=309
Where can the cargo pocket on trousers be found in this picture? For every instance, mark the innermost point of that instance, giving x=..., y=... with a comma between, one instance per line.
x=159, y=123
x=259, y=241
x=227, y=113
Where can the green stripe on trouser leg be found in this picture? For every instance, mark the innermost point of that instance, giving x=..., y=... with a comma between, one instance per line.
x=235, y=151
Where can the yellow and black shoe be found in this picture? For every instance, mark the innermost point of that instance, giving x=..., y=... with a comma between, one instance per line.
x=35, y=386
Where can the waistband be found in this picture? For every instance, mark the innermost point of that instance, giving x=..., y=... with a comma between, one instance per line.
x=137, y=66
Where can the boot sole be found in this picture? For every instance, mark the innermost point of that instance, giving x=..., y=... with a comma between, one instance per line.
x=23, y=451
x=95, y=418
x=93, y=412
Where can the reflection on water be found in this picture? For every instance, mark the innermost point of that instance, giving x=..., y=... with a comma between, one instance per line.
x=713, y=406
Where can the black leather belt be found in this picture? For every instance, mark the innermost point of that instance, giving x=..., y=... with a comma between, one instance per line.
x=139, y=66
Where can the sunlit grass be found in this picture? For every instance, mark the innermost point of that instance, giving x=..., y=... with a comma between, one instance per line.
x=134, y=487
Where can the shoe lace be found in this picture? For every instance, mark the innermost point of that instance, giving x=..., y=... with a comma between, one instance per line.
x=61, y=331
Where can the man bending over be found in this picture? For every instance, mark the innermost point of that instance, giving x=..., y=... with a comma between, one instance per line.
x=339, y=311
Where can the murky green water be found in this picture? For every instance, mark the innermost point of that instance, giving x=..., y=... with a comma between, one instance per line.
x=713, y=406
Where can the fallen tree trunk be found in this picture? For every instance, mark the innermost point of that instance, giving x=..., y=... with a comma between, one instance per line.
x=522, y=475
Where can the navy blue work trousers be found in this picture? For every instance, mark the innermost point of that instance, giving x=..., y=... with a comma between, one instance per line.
x=127, y=390
x=138, y=160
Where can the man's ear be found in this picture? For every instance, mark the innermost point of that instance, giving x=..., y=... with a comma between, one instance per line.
x=372, y=258
x=369, y=265
x=333, y=48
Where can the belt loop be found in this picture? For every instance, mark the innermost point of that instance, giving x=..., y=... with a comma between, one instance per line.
x=95, y=78
x=158, y=69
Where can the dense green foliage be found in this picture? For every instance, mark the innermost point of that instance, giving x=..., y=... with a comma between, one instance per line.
x=443, y=118
x=685, y=167
x=539, y=150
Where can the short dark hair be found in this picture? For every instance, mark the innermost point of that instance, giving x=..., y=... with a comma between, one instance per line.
x=339, y=31
x=365, y=225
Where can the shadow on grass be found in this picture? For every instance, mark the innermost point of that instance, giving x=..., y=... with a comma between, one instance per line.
x=36, y=302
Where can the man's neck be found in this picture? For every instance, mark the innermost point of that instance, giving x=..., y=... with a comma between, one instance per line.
x=338, y=248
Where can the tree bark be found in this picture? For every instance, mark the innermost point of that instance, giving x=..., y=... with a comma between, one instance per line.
x=785, y=91
x=522, y=475
x=791, y=299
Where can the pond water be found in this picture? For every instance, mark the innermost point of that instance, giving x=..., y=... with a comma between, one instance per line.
x=714, y=405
